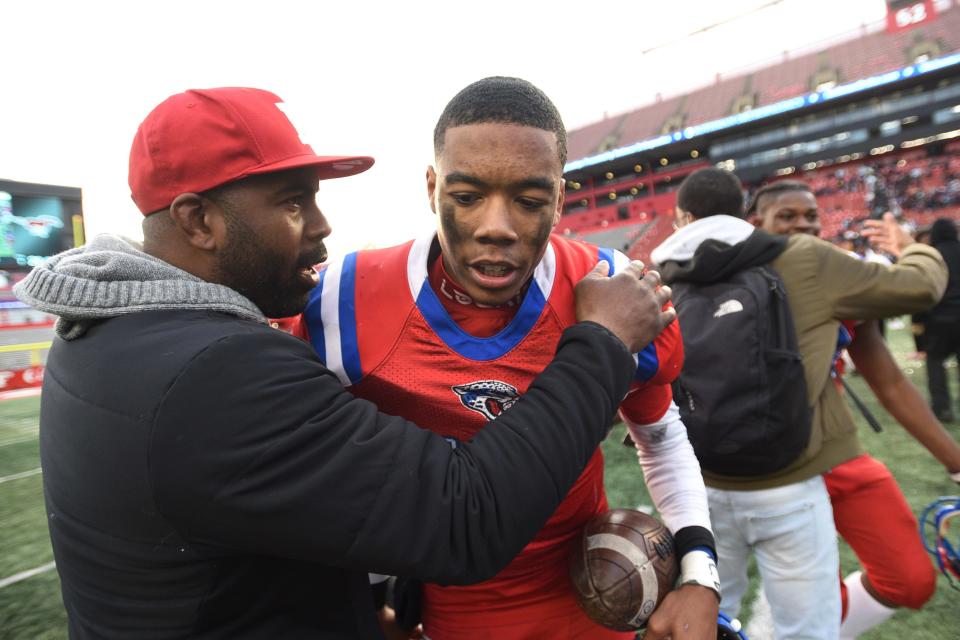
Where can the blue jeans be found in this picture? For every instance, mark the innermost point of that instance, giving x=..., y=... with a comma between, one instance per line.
x=791, y=530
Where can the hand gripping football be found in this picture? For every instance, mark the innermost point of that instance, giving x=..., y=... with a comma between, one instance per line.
x=624, y=566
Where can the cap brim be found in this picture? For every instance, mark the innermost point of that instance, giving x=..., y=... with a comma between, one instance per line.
x=329, y=167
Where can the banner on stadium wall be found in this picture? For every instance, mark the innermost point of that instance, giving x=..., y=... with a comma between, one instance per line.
x=906, y=14
x=11, y=379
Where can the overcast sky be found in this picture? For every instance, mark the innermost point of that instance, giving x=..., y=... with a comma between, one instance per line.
x=360, y=78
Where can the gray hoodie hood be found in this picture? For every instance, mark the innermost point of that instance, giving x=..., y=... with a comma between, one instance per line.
x=714, y=248
x=683, y=244
x=112, y=276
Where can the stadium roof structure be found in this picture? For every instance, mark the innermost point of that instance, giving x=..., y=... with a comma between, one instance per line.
x=873, y=59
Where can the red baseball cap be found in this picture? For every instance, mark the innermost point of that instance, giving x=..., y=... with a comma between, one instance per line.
x=203, y=138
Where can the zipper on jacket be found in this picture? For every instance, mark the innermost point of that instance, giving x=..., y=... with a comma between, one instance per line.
x=777, y=307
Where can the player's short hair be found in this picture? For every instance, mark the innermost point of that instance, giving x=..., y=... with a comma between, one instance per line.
x=504, y=100
x=710, y=192
x=774, y=189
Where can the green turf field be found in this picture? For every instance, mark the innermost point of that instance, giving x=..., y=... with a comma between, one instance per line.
x=31, y=608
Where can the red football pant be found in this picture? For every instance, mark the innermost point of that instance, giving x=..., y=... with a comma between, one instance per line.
x=874, y=518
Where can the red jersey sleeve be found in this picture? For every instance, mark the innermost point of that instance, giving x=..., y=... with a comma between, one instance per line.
x=669, y=348
x=646, y=403
x=648, y=399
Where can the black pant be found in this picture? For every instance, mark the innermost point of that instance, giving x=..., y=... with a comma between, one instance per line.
x=942, y=341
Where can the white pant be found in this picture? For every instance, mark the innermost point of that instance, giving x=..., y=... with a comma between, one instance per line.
x=791, y=530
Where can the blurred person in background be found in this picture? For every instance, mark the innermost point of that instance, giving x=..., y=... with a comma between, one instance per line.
x=942, y=323
x=918, y=320
x=783, y=516
x=896, y=569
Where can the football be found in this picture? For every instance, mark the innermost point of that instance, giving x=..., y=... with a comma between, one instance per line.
x=625, y=565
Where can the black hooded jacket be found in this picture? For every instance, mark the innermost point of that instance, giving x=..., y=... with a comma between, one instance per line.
x=714, y=261
x=206, y=476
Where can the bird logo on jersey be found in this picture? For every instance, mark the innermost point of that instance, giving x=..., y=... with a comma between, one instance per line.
x=489, y=397
x=940, y=530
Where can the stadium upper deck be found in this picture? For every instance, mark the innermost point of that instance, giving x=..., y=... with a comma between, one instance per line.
x=872, y=53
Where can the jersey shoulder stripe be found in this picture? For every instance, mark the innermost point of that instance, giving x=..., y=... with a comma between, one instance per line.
x=578, y=258
x=349, y=350
x=348, y=315
x=331, y=319
x=648, y=361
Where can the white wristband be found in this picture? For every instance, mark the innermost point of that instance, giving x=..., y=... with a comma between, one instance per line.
x=955, y=477
x=697, y=567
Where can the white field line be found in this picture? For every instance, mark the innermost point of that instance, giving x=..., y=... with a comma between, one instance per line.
x=29, y=573
x=5, y=443
x=22, y=474
x=19, y=393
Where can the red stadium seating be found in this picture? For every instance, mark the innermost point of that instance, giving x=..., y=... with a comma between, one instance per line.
x=919, y=187
x=865, y=54
x=656, y=233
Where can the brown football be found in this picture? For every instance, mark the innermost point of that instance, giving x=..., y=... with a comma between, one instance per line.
x=624, y=566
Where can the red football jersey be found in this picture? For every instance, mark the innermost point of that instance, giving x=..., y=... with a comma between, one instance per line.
x=380, y=326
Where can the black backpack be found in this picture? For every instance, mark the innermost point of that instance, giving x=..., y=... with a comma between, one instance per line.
x=742, y=392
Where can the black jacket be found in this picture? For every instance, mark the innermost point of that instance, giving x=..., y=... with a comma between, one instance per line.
x=943, y=238
x=206, y=476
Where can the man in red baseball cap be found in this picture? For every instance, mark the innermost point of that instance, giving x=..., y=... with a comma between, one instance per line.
x=234, y=150
x=206, y=476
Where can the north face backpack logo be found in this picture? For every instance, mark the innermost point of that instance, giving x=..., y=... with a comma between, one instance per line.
x=730, y=306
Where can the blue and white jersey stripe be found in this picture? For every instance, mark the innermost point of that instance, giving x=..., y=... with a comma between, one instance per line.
x=336, y=340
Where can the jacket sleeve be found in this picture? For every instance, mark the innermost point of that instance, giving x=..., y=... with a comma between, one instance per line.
x=257, y=448
x=863, y=290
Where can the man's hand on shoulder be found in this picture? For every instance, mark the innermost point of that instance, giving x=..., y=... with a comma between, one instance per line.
x=629, y=304
x=689, y=613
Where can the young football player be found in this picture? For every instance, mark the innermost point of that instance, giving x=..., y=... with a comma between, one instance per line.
x=450, y=329
x=896, y=571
